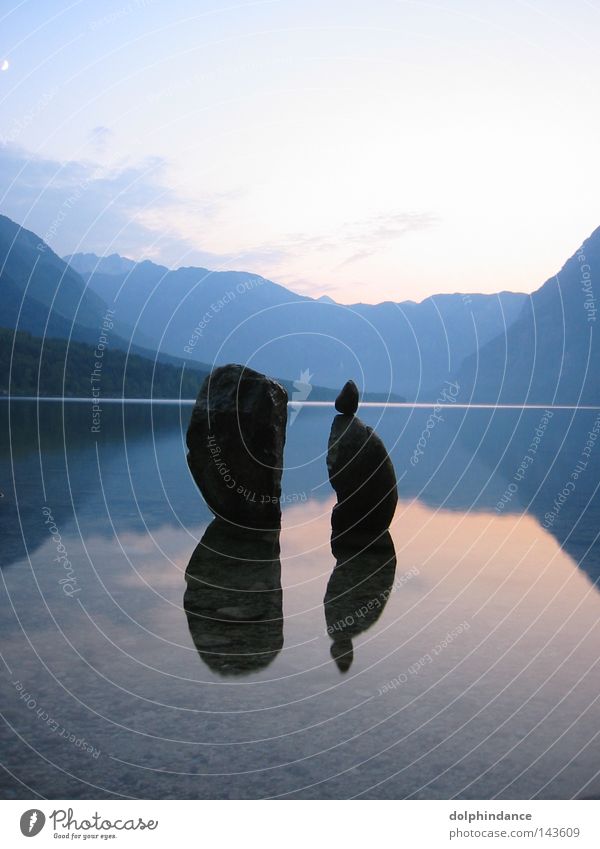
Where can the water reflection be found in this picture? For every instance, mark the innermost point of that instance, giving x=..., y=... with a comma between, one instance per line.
x=358, y=590
x=135, y=469
x=501, y=709
x=233, y=599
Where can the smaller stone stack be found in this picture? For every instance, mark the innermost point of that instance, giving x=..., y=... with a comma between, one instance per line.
x=360, y=471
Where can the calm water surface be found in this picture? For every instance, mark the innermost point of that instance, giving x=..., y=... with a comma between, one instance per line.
x=459, y=658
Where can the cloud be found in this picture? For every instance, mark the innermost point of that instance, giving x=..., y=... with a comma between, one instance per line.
x=132, y=210
x=348, y=244
x=80, y=206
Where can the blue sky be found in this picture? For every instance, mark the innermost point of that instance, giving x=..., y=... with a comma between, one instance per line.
x=369, y=151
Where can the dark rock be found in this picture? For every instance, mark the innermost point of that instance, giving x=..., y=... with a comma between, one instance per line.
x=235, y=439
x=362, y=474
x=358, y=590
x=233, y=599
x=347, y=401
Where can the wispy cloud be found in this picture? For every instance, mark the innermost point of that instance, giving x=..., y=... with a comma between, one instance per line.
x=132, y=209
x=82, y=206
x=353, y=240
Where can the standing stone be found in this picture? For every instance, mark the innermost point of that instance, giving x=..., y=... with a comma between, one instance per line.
x=347, y=401
x=363, y=477
x=235, y=440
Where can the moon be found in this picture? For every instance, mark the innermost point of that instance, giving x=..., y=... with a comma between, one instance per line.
x=5, y=64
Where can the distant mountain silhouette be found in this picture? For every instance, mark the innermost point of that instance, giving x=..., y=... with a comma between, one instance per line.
x=111, y=264
x=232, y=316
x=503, y=348
x=43, y=295
x=551, y=353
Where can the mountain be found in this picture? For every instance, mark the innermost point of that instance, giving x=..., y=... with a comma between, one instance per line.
x=111, y=264
x=58, y=368
x=52, y=323
x=550, y=354
x=43, y=295
x=231, y=316
x=31, y=366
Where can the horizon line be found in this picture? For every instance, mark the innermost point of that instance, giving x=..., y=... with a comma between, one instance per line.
x=392, y=404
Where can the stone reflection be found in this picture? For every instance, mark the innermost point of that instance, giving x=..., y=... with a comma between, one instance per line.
x=233, y=599
x=358, y=590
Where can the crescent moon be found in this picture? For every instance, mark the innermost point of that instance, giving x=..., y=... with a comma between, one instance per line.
x=4, y=65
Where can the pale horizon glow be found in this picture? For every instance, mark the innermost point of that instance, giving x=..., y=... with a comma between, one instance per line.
x=382, y=152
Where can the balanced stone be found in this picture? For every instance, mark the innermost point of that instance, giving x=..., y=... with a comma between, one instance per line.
x=363, y=477
x=347, y=401
x=235, y=439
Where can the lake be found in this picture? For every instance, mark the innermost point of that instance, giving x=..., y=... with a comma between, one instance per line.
x=458, y=659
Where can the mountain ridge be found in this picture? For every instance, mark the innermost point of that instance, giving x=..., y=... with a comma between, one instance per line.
x=233, y=316
x=549, y=352
x=502, y=348
x=88, y=262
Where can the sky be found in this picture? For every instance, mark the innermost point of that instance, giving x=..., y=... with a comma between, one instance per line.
x=366, y=151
